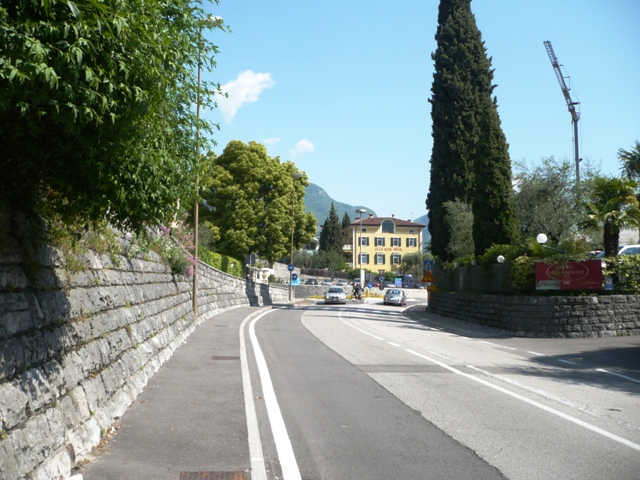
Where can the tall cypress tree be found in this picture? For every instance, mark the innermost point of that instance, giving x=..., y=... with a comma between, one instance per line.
x=492, y=206
x=346, y=220
x=331, y=234
x=465, y=125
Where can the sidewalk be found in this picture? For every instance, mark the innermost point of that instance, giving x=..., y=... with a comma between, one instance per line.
x=189, y=422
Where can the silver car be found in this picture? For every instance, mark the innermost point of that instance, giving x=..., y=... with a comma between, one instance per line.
x=335, y=295
x=395, y=297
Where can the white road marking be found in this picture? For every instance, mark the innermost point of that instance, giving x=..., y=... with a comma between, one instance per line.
x=517, y=396
x=539, y=405
x=537, y=391
x=258, y=470
x=497, y=345
x=536, y=353
x=631, y=379
x=359, y=329
x=288, y=463
x=393, y=344
x=568, y=361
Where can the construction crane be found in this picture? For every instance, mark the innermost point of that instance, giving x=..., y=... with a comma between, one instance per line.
x=575, y=115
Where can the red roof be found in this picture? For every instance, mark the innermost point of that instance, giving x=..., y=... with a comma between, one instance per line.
x=376, y=221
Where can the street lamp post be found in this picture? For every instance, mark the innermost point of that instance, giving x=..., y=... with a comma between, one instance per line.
x=542, y=240
x=207, y=21
x=293, y=223
x=361, y=211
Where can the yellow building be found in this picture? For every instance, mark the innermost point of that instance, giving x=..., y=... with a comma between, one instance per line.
x=381, y=242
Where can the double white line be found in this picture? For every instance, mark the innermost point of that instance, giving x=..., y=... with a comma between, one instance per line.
x=288, y=463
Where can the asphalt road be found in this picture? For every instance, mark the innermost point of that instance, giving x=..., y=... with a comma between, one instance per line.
x=367, y=393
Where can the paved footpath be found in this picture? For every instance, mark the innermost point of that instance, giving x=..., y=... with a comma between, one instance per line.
x=189, y=422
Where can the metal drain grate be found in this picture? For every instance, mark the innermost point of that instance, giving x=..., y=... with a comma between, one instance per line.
x=213, y=476
x=221, y=357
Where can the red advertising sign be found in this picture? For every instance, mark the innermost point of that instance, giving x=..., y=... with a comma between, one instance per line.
x=586, y=275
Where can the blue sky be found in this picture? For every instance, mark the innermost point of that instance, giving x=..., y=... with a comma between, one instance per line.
x=341, y=87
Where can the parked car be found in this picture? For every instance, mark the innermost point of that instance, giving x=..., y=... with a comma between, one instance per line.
x=395, y=297
x=335, y=295
x=626, y=250
x=326, y=283
x=408, y=281
x=342, y=283
x=311, y=281
x=389, y=284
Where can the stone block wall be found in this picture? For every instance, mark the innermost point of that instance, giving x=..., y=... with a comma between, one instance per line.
x=76, y=348
x=544, y=316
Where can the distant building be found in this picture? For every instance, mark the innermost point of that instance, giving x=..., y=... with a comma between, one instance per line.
x=383, y=243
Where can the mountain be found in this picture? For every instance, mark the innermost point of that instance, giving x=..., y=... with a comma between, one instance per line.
x=318, y=202
x=426, y=236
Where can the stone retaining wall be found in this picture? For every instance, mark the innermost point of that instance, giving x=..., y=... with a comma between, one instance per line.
x=77, y=348
x=552, y=316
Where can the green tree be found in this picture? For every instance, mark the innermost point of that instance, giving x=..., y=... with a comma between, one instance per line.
x=331, y=233
x=329, y=259
x=254, y=199
x=459, y=221
x=494, y=219
x=545, y=198
x=346, y=220
x=96, y=106
x=413, y=264
x=630, y=160
x=613, y=205
x=469, y=158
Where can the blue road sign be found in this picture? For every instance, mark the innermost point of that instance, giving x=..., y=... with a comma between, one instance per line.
x=291, y=267
x=428, y=265
x=294, y=277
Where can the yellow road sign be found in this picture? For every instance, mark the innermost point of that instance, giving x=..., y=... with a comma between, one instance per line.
x=428, y=277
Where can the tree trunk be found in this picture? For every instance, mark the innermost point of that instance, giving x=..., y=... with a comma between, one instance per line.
x=611, y=239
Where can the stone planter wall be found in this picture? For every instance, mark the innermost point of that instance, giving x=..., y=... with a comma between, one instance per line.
x=544, y=316
x=77, y=348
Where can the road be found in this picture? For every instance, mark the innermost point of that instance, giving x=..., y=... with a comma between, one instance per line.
x=365, y=392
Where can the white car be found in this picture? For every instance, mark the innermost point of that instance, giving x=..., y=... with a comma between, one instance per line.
x=395, y=297
x=626, y=250
x=335, y=295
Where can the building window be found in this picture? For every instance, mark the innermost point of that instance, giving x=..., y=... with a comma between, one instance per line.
x=395, y=259
x=379, y=241
x=388, y=226
x=364, y=258
x=364, y=241
x=396, y=242
x=380, y=260
x=411, y=242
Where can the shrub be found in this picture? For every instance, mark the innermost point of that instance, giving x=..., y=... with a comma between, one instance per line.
x=221, y=262
x=462, y=261
x=509, y=252
x=625, y=269
x=523, y=274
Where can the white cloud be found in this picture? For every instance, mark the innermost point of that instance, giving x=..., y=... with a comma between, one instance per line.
x=271, y=141
x=303, y=146
x=246, y=88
